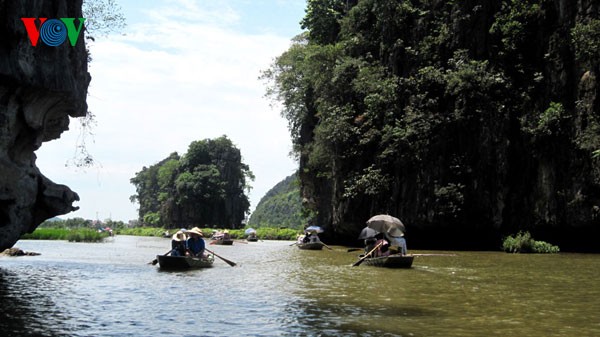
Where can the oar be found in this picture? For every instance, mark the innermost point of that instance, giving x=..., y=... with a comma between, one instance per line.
x=433, y=254
x=155, y=261
x=326, y=246
x=357, y=263
x=295, y=243
x=231, y=263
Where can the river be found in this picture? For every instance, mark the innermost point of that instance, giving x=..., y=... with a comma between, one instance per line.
x=110, y=289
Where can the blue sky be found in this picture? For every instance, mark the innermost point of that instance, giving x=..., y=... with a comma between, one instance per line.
x=184, y=70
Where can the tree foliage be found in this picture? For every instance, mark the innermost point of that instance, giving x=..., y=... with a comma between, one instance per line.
x=463, y=115
x=102, y=17
x=281, y=206
x=204, y=187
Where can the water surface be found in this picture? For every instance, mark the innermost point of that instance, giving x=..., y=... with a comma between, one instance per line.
x=109, y=289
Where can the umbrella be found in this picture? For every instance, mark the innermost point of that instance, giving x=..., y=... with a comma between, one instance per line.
x=367, y=233
x=314, y=229
x=387, y=223
x=249, y=230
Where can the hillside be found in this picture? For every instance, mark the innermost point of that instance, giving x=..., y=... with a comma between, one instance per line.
x=280, y=207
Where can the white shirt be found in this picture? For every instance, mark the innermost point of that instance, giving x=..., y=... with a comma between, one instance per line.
x=398, y=241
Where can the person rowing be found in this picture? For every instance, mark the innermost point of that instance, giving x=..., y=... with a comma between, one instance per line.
x=195, y=243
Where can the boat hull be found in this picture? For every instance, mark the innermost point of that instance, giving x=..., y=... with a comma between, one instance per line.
x=222, y=242
x=310, y=246
x=184, y=262
x=392, y=261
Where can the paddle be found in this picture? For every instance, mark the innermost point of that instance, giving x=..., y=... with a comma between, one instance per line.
x=433, y=255
x=295, y=243
x=326, y=246
x=357, y=263
x=231, y=263
x=155, y=261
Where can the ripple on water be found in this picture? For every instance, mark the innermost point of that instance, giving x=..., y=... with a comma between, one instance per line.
x=278, y=290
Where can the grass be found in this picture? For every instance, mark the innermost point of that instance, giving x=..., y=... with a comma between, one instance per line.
x=263, y=233
x=72, y=235
x=90, y=235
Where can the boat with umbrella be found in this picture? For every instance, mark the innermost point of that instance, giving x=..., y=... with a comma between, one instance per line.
x=384, y=223
x=310, y=240
x=251, y=235
x=221, y=238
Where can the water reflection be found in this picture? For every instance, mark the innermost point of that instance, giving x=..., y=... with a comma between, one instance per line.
x=278, y=290
x=27, y=308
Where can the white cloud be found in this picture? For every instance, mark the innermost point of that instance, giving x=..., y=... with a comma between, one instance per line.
x=183, y=76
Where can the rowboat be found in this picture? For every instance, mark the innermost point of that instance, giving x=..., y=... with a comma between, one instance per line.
x=391, y=261
x=310, y=245
x=184, y=262
x=221, y=241
x=252, y=239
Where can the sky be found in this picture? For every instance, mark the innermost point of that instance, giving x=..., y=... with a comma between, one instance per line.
x=181, y=71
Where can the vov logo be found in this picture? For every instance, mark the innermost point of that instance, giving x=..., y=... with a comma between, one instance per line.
x=53, y=32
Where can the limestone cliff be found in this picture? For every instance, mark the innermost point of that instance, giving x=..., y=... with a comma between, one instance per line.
x=40, y=87
x=469, y=120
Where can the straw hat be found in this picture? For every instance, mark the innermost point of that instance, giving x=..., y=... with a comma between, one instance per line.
x=196, y=231
x=226, y=231
x=179, y=236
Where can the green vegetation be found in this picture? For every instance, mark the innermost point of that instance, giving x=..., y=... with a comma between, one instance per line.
x=523, y=243
x=73, y=223
x=445, y=113
x=142, y=231
x=72, y=235
x=205, y=186
x=263, y=233
x=281, y=206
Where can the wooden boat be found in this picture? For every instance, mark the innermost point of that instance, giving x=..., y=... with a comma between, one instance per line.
x=252, y=239
x=310, y=245
x=221, y=241
x=391, y=261
x=184, y=262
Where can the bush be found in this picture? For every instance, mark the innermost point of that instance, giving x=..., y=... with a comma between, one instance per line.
x=524, y=243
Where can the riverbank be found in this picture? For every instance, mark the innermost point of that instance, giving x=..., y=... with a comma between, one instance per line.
x=91, y=235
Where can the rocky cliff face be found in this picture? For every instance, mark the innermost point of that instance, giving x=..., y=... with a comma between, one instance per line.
x=40, y=87
x=469, y=120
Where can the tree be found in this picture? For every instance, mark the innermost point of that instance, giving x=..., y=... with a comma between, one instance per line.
x=468, y=120
x=204, y=187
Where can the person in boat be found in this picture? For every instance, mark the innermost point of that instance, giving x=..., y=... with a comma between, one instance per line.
x=306, y=237
x=383, y=249
x=370, y=244
x=178, y=246
x=397, y=241
x=195, y=243
x=314, y=237
x=300, y=238
x=226, y=235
